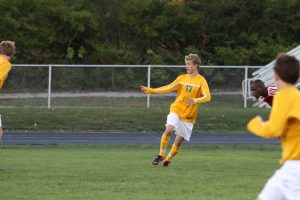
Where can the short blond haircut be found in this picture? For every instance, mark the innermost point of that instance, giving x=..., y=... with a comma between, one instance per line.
x=194, y=58
x=7, y=48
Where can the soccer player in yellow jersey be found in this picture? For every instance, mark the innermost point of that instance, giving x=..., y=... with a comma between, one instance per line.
x=284, y=122
x=192, y=89
x=7, y=50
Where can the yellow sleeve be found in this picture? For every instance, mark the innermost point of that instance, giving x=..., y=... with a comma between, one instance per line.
x=164, y=89
x=205, y=93
x=4, y=70
x=275, y=125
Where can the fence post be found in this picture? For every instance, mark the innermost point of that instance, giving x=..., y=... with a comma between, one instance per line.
x=49, y=85
x=148, y=85
x=246, y=86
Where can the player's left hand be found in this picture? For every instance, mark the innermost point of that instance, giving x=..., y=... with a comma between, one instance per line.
x=190, y=102
x=143, y=89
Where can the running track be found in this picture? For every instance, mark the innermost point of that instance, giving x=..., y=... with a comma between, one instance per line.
x=46, y=138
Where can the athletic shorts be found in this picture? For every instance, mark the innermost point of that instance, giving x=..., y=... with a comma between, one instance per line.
x=183, y=129
x=284, y=184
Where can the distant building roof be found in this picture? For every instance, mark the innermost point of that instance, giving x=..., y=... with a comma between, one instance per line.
x=266, y=73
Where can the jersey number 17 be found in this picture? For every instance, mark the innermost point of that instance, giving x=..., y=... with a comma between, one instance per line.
x=188, y=88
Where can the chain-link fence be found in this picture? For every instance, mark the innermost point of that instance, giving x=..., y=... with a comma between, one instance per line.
x=110, y=85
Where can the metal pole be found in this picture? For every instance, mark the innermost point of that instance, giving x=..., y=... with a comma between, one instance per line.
x=148, y=85
x=246, y=86
x=49, y=86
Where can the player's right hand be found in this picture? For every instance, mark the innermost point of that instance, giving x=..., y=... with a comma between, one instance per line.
x=143, y=89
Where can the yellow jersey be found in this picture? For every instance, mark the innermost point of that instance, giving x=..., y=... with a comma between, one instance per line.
x=284, y=122
x=5, y=67
x=187, y=87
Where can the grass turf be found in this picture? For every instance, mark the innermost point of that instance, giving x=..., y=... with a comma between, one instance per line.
x=223, y=114
x=125, y=172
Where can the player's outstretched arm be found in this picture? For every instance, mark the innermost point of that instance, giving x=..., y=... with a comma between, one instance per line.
x=161, y=90
x=147, y=90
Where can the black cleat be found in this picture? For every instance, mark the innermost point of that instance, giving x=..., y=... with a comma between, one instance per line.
x=157, y=159
x=166, y=163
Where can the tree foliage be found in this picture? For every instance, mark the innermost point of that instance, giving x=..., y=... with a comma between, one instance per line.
x=151, y=31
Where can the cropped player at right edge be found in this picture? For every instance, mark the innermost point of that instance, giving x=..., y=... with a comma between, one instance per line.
x=284, y=122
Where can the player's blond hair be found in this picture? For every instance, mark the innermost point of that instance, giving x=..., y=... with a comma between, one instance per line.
x=194, y=58
x=7, y=48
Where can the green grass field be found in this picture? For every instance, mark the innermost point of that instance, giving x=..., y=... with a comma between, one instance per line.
x=115, y=172
x=223, y=114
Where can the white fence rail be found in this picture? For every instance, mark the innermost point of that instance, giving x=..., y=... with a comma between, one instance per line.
x=51, y=79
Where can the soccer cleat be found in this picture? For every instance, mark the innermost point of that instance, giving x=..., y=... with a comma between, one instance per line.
x=166, y=163
x=157, y=159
